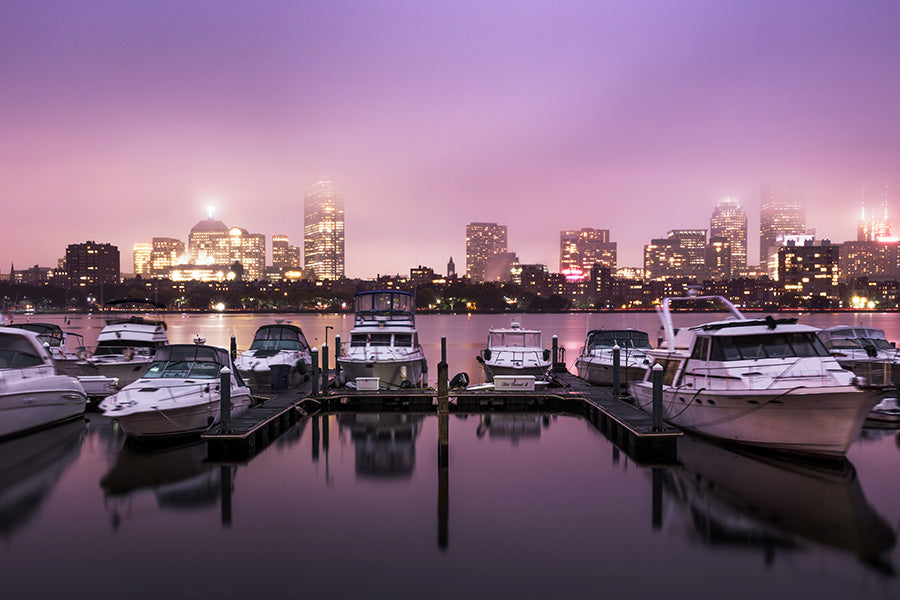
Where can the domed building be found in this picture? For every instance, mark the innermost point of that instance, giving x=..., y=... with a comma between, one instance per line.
x=211, y=242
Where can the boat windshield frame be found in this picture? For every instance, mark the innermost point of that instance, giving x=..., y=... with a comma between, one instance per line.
x=775, y=344
x=289, y=337
x=384, y=305
x=596, y=340
x=188, y=361
x=523, y=338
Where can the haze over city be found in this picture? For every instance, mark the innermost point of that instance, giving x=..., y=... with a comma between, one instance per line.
x=127, y=121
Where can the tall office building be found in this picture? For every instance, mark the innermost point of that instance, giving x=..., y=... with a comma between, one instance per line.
x=876, y=225
x=284, y=256
x=483, y=240
x=167, y=252
x=730, y=222
x=693, y=245
x=142, y=258
x=91, y=263
x=581, y=250
x=323, y=232
x=782, y=213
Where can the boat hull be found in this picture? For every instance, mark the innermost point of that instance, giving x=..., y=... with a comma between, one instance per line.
x=126, y=371
x=257, y=372
x=539, y=372
x=810, y=420
x=600, y=372
x=157, y=421
x=27, y=410
x=391, y=373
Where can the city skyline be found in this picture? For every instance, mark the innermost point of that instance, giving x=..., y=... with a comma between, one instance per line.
x=123, y=123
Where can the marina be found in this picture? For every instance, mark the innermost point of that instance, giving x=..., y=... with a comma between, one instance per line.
x=537, y=484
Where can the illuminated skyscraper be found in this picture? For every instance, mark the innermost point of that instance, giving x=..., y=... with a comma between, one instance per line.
x=580, y=250
x=142, y=255
x=284, y=256
x=876, y=225
x=167, y=252
x=782, y=213
x=730, y=222
x=693, y=245
x=323, y=232
x=483, y=240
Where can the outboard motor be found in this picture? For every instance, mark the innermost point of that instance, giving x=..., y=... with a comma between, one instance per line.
x=460, y=380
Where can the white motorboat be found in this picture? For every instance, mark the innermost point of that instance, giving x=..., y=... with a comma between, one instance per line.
x=125, y=346
x=278, y=344
x=865, y=351
x=384, y=343
x=32, y=394
x=764, y=382
x=514, y=351
x=55, y=339
x=595, y=363
x=178, y=395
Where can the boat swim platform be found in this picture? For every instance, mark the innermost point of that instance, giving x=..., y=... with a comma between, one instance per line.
x=627, y=427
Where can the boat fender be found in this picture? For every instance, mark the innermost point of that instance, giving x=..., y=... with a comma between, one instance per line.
x=301, y=366
x=487, y=354
x=546, y=354
x=479, y=359
x=424, y=366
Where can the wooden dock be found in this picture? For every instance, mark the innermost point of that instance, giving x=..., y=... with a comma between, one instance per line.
x=627, y=427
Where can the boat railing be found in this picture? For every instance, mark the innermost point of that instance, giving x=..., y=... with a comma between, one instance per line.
x=664, y=311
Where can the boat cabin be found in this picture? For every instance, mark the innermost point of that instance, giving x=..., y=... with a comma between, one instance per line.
x=605, y=339
x=278, y=337
x=384, y=339
x=18, y=351
x=189, y=361
x=864, y=339
x=386, y=307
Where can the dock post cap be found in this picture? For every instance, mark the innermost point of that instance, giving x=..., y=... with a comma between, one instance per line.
x=616, y=347
x=225, y=371
x=313, y=349
x=657, y=367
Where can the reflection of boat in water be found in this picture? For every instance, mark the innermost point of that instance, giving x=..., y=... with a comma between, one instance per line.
x=177, y=476
x=30, y=467
x=385, y=443
x=513, y=427
x=748, y=499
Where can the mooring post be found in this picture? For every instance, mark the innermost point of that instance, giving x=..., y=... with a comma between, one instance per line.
x=314, y=354
x=657, y=396
x=443, y=408
x=555, y=353
x=617, y=381
x=225, y=399
x=233, y=347
x=324, y=368
x=337, y=352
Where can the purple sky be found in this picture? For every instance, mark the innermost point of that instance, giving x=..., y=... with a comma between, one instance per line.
x=119, y=121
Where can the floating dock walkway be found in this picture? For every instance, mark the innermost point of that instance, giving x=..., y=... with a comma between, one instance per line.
x=627, y=427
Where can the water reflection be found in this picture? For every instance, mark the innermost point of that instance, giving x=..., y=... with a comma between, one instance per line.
x=514, y=427
x=176, y=475
x=385, y=443
x=748, y=500
x=30, y=467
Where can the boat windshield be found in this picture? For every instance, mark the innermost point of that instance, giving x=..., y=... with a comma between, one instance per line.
x=49, y=334
x=16, y=352
x=143, y=347
x=278, y=338
x=767, y=345
x=514, y=339
x=624, y=339
x=855, y=338
x=185, y=361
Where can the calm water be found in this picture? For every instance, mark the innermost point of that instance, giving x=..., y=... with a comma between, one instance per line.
x=532, y=506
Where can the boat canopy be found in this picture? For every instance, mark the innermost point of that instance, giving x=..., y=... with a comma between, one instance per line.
x=188, y=361
x=47, y=332
x=854, y=338
x=384, y=305
x=624, y=338
x=279, y=337
x=508, y=338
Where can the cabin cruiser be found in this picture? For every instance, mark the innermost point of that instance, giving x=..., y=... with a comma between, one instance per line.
x=125, y=346
x=867, y=352
x=275, y=344
x=384, y=343
x=32, y=394
x=514, y=351
x=55, y=340
x=595, y=363
x=178, y=394
x=763, y=382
